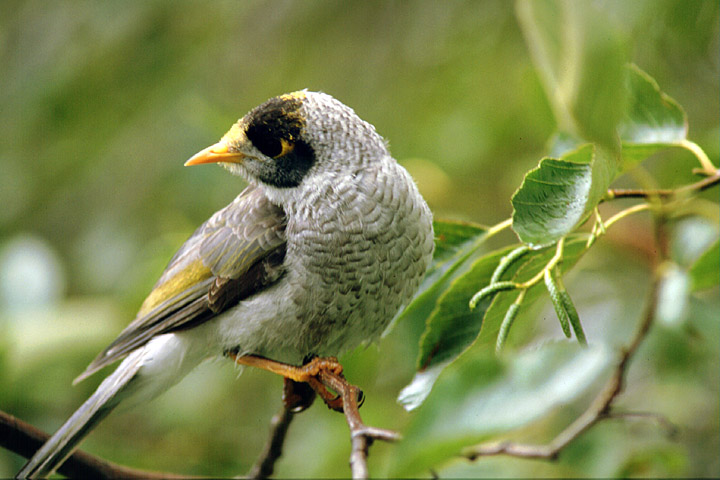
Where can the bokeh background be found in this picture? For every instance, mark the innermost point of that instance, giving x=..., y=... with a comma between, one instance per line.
x=102, y=102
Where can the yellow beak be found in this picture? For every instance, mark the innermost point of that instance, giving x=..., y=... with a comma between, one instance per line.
x=214, y=154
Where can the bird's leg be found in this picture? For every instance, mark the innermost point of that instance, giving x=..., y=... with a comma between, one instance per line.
x=308, y=373
x=317, y=373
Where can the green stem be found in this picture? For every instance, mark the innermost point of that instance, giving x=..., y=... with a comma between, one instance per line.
x=550, y=265
x=499, y=227
x=707, y=166
x=624, y=213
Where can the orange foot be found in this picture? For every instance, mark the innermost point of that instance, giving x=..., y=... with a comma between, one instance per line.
x=307, y=373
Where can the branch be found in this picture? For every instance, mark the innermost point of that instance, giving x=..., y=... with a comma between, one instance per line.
x=265, y=465
x=24, y=439
x=670, y=428
x=599, y=409
x=703, y=184
x=361, y=435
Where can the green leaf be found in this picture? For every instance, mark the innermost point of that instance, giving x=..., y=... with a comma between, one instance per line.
x=491, y=395
x=450, y=237
x=705, y=272
x=653, y=121
x=557, y=195
x=580, y=59
x=453, y=327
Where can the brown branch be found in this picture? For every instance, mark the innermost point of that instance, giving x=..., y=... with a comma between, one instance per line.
x=599, y=409
x=24, y=439
x=265, y=465
x=323, y=375
x=703, y=184
x=361, y=435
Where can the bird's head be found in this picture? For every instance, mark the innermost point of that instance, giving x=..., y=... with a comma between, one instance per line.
x=293, y=138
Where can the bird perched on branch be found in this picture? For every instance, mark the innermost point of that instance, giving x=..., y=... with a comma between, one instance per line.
x=315, y=257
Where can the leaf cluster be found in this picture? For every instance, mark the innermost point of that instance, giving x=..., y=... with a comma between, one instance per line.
x=612, y=116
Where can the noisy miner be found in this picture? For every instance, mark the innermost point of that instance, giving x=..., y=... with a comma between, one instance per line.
x=327, y=243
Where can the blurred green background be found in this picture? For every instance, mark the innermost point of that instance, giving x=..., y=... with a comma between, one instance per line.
x=102, y=102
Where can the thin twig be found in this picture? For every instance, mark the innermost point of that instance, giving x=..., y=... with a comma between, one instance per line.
x=24, y=439
x=601, y=405
x=670, y=428
x=699, y=186
x=324, y=374
x=265, y=465
x=361, y=435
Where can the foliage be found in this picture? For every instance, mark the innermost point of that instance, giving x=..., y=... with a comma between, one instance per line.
x=608, y=127
x=102, y=103
x=553, y=200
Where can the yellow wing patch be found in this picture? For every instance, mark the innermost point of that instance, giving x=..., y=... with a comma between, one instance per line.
x=195, y=272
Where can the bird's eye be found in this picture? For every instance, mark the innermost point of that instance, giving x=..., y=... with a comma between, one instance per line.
x=287, y=147
x=264, y=140
x=267, y=141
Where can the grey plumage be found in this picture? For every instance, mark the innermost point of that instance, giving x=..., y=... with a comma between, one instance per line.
x=315, y=257
x=228, y=245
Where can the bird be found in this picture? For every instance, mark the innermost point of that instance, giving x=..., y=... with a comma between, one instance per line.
x=327, y=243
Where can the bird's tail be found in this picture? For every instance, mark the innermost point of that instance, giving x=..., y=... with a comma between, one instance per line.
x=64, y=442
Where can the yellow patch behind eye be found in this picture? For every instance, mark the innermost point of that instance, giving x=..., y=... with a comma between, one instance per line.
x=287, y=147
x=299, y=95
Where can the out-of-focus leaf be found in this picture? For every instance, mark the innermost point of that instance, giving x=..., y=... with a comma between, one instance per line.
x=415, y=393
x=653, y=461
x=705, y=272
x=492, y=395
x=691, y=238
x=581, y=60
x=455, y=242
x=559, y=193
x=672, y=303
x=653, y=121
x=562, y=143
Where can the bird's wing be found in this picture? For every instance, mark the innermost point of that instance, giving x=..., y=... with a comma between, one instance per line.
x=233, y=255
